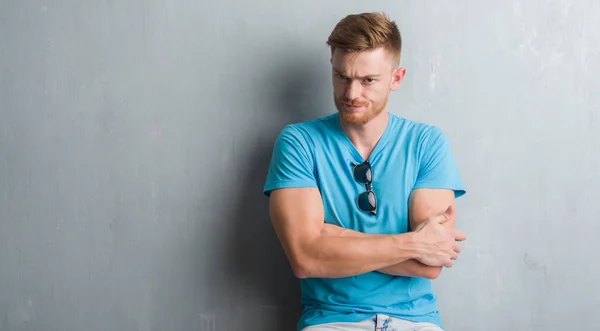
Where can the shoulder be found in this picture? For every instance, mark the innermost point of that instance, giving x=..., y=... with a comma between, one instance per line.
x=417, y=131
x=305, y=133
x=317, y=124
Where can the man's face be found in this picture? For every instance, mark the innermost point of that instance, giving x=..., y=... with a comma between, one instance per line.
x=362, y=82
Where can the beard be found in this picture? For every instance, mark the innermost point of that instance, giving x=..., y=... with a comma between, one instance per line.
x=362, y=116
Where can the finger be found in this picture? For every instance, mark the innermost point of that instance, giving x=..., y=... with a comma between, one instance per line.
x=448, y=264
x=459, y=235
x=457, y=248
x=445, y=216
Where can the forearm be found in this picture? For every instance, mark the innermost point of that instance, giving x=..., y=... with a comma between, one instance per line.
x=412, y=268
x=336, y=256
x=409, y=268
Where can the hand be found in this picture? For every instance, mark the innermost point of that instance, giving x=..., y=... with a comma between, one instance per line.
x=437, y=245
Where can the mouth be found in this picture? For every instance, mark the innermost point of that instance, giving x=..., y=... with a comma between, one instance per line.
x=353, y=107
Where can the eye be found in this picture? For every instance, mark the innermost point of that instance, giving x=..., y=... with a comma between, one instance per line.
x=340, y=77
x=369, y=81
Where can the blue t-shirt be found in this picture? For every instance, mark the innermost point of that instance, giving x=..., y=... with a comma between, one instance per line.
x=409, y=155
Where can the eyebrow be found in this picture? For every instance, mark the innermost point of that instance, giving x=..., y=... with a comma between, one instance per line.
x=367, y=76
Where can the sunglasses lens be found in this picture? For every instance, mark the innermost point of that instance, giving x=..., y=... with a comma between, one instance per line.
x=367, y=201
x=362, y=173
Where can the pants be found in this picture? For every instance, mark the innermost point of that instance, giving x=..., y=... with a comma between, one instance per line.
x=377, y=323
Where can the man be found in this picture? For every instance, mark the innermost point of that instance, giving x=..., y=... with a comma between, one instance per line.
x=362, y=200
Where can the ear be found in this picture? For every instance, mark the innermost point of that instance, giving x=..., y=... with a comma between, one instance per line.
x=397, y=77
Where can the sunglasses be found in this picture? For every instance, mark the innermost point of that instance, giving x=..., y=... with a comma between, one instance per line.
x=367, y=200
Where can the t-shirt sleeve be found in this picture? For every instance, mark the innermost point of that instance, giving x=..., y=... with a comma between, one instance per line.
x=291, y=163
x=437, y=166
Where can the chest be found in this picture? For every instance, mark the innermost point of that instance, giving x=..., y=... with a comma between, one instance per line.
x=394, y=173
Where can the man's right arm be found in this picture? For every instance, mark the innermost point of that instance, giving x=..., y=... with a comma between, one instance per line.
x=297, y=215
x=408, y=268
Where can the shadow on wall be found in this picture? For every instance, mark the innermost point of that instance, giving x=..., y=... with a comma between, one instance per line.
x=295, y=93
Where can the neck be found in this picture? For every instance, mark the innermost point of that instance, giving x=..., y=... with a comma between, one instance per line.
x=366, y=136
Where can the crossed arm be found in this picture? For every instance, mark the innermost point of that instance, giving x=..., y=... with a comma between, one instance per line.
x=315, y=249
x=424, y=203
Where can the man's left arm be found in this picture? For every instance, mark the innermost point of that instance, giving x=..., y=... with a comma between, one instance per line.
x=412, y=267
x=425, y=203
x=437, y=187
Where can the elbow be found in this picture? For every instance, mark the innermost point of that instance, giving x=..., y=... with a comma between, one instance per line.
x=432, y=272
x=304, y=263
x=307, y=261
x=301, y=263
x=301, y=269
x=301, y=273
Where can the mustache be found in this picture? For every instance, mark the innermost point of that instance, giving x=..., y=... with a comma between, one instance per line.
x=352, y=102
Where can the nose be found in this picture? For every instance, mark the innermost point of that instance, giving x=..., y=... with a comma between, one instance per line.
x=353, y=90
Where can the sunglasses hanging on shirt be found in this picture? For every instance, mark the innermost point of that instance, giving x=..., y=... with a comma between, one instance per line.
x=367, y=200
